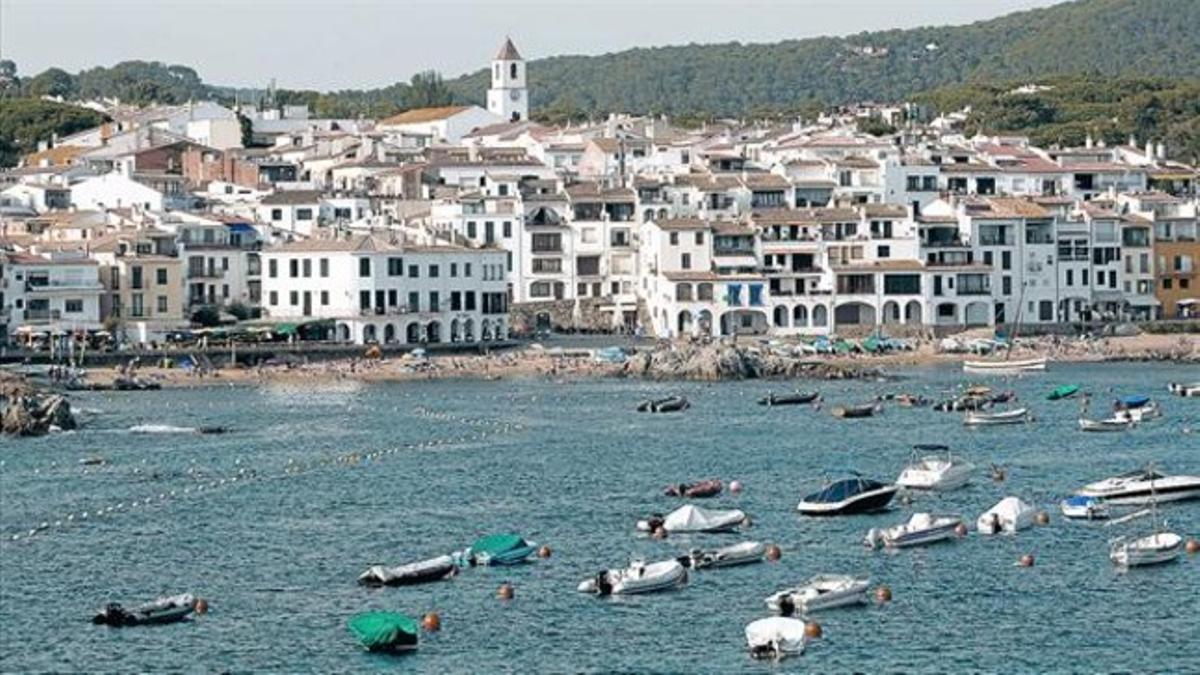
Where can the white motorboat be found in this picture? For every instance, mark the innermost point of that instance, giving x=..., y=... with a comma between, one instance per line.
x=1143, y=486
x=639, y=577
x=1008, y=515
x=1004, y=367
x=1084, y=508
x=689, y=518
x=728, y=556
x=1140, y=414
x=975, y=418
x=1185, y=389
x=1154, y=549
x=936, y=472
x=775, y=637
x=1110, y=424
x=921, y=529
x=824, y=591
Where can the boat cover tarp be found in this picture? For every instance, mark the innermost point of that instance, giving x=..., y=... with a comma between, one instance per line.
x=785, y=633
x=1014, y=514
x=496, y=544
x=379, y=630
x=1064, y=391
x=1135, y=401
x=689, y=518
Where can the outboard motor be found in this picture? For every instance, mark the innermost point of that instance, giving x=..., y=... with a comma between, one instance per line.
x=603, y=587
x=873, y=538
x=787, y=607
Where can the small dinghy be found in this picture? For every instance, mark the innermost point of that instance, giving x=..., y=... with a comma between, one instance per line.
x=775, y=637
x=698, y=490
x=824, y=591
x=1062, y=392
x=981, y=419
x=1084, y=508
x=1154, y=549
x=690, y=518
x=921, y=529
x=1110, y=424
x=1004, y=367
x=434, y=569
x=797, y=398
x=499, y=549
x=637, y=578
x=1186, y=390
x=169, y=609
x=854, y=411
x=662, y=405
x=1008, y=515
x=744, y=553
x=387, y=632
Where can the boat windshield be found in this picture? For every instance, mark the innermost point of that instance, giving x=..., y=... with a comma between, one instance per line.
x=1142, y=474
x=844, y=489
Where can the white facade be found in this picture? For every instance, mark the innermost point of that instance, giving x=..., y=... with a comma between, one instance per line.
x=54, y=293
x=508, y=97
x=115, y=190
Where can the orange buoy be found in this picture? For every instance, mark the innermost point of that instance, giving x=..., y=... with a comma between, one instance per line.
x=735, y=487
x=1026, y=560
x=812, y=630
x=431, y=622
x=961, y=530
x=505, y=592
x=201, y=606
x=660, y=532
x=1192, y=546
x=774, y=553
x=544, y=552
x=883, y=594
x=1043, y=518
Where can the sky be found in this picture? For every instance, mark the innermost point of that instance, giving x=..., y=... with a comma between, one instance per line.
x=353, y=44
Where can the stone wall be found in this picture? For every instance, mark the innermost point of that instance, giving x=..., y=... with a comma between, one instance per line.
x=583, y=315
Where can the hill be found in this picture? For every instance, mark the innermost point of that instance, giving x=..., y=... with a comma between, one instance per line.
x=24, y=122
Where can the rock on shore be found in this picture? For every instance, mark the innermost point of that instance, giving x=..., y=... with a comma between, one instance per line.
x=30, y=411
x=727, y=361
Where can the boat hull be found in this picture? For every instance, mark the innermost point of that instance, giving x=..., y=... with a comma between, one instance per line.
x=1004, y=367
x=1153, y=550
x=866, y=502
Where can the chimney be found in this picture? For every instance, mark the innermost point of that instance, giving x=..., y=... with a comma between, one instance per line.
x=1149, y=150
x=1161, y=152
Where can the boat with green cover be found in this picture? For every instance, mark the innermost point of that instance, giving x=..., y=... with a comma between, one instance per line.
x=384, y=631
x=500, y=549
x=1063, y=391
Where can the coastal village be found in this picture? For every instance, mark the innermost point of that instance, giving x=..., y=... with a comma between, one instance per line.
x=468, y=225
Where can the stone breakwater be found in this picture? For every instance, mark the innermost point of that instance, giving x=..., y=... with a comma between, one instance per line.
x=734, y=362
x=28, y=410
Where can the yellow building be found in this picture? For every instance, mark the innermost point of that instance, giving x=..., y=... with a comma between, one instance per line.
x=144, y=283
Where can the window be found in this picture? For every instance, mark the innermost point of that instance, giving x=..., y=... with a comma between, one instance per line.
x=466, y=269
x=433, y=301
x=987, y=258
x=1070, y=277
x=471, y=229
x=73, y=306
x=414, y=301
x=324, y=297
x=162, y=304
x=1006, y=260
x=699, y=238
x=453, y=270
x=323, y=267
x=455, y=301
x=489, y=232
x=674, y=238
x=273, y=298
x=547, y=243
x=1184, y=283
x=135, y=305
x=470, y=297
x=293, y=268
x=272, y=268
x=303, y=214
x=540, y=289
x=587, y=266
x=306, y=266
x=293, y=298
x=393, y=296
x=1167, y=284
x=685, y=261
x=276, y=214
x=225, y=264
x=160, y=276
x=547, y=265
x=512, y=71
x=883, y=252
x=414, y=271
x=1006, y=286
x=433, y=271
x=507, y=229
x=135, y=277
x=364, y=299
x=902, y=284
x=364, y=267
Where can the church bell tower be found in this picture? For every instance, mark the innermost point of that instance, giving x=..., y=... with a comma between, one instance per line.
x=508, y=96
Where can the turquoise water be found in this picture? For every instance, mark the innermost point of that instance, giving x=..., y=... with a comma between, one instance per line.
x=277, y=551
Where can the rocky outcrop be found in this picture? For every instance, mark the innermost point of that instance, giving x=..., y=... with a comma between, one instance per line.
x=727, y=361
x=29, y=411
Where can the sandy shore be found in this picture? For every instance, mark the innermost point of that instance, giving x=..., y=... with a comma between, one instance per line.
x=538, y=363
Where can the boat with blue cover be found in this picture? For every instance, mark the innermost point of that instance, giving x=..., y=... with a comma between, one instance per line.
x=1084, y=508
x=848, y=496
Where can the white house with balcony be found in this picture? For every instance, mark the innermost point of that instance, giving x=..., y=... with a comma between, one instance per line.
x=52, y=293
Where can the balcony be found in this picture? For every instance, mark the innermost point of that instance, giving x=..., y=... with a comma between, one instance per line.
x=206, y=274
x=60, y=286
x=42, y=315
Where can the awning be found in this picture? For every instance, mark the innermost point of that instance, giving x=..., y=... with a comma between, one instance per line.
x=242, y=228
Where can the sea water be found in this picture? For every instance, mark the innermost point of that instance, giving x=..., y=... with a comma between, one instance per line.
x=273, y=521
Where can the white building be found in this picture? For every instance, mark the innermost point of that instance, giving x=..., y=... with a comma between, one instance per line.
x=373, y=290
x=58, y=292
x=508, y=97
x=113, y=191
x=445, y=124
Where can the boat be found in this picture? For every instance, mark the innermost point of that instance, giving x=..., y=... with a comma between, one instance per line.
x=499, y=549
x=1143, y=486
x=1008, y=515
x=824, y=591
x=1063, y=391
x=1154, y=549
x=911, y=400
x=982, y=419
x=639, y=577
x=1110, y=424
x=387, y=632
x=135, y=384
x=1141, y=413
x=850, y=411
x=434, y=569
x=1184, y=389
x=661, y=405
x=775, y=637
x=1005, y=367
x=797, y=398
x=699, y=489
x=1084, y=508
x=921, y=529
x=848, y=496
x=744, y=553
x=690, y=518
x=935, y=472
x=169, y=609
x=1131, y=402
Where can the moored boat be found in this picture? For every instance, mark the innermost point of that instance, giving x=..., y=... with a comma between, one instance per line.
x=690, y=518
x=1154, y=549
x=662, y=405
x=388, y=632
x=1142, y=486
x=1084, y=508
x=700, y=489
x=982, y=419
x=775, y=637
x=1185, y=389
x=1005, y=367
x=169, y=609
x=433, y=569
x=852, y=411
x=1063, y=391
x=499, y=549
x=744, y=553
x=639, y=577
x=1110, y=424
x=824, y=591
x=921, y=529
x=1008, y=515
x=797, y=398
x=848, y=496
x=935, y=472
